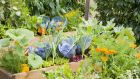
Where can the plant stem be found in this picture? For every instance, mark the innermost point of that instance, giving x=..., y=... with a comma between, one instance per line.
x=54, y=52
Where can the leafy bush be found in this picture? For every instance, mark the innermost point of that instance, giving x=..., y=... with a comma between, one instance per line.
x=53, y=7
x=125, y=12
x=3, y=29
x=13, y=12
x=74, y=19
x=65, y=72
x=112, y=49
x=11, y=61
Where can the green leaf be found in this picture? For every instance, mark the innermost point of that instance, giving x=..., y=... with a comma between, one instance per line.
x=85, y=41
x=23, y=36
x=20, y=33
x=14, y=34
x=4, y=42
x=23, y=42
x=35, y=61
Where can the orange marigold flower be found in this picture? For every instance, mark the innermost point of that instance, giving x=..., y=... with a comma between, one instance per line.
x=133, y=45
x=104, y=58
x=98, y=50
x=138, y=55
x=24, y=68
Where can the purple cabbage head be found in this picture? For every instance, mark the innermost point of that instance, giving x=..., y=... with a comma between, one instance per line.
x=67, y=47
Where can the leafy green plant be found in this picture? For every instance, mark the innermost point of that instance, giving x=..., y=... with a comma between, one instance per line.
x=125, y=12
x=3, y=29
x=30, y=24
x=131, y=74
x=14, y=12
x=53, y=7
x=74, y=19
x=60, y=61
x=35, y=61
x=112, y=48
x=20, y=38
x=85, y=42
x=65, y=72
x=11, y=61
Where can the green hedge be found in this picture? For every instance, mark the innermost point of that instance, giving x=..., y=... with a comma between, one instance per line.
x=125, y=12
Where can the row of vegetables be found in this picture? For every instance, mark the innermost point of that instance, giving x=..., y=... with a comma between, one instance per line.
x=45, y=23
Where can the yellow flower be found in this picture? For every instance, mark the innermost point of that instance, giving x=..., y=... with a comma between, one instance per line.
x=104, y=58
x=24, y=68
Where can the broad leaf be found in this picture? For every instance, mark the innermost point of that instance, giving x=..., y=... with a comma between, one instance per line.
x=23, y=36
x=35, y=61
x=4, y=42
x=85, y=41
x=20, y=33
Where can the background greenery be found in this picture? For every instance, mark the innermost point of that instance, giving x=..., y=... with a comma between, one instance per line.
x=23, y=13
x=125, y=12
x=53, y=7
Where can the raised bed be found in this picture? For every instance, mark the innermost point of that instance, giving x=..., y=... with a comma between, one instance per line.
x=34, y=74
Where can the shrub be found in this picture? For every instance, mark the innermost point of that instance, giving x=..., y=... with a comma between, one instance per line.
x=74, y=19
x=125, y=12
x=3, y=30
x=53, y=7
x=14, y=13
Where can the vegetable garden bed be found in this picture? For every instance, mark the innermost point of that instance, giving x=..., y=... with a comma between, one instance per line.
x=109, y=53
x=34, y=74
